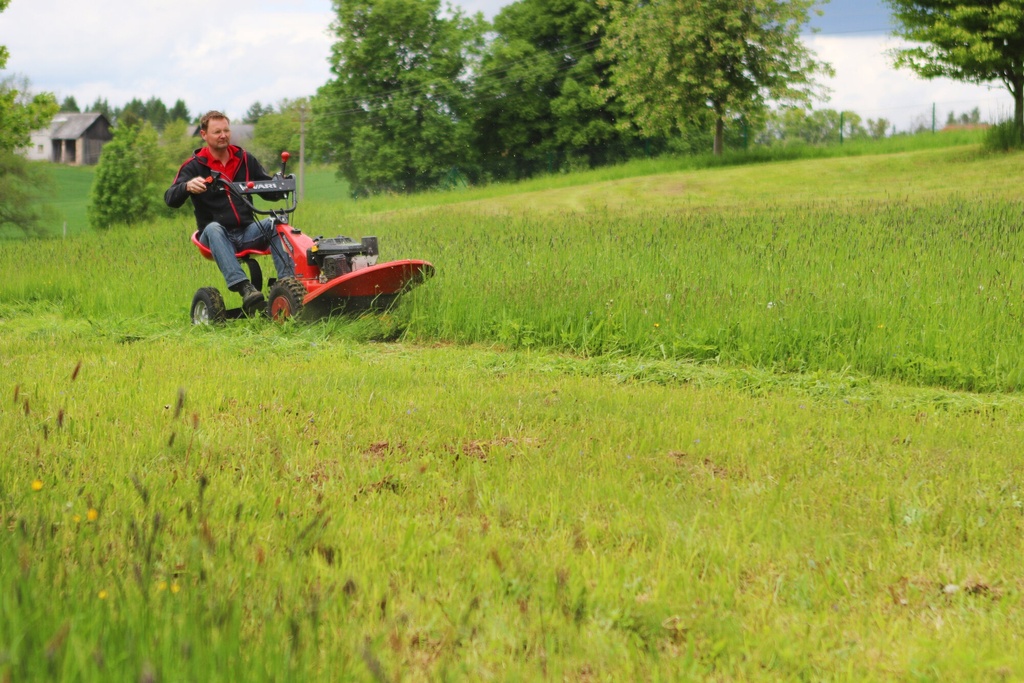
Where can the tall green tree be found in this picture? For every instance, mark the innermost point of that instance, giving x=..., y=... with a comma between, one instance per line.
x=969, y=41
x=538, y=90
x=69, y=104
x=398, y=111
x=178, y=112
x=678, y=61
x=256, y=111
x=102, y=106
x=156, y=113
x=22, y=185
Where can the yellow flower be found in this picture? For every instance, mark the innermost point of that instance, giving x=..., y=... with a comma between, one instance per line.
x=76, y=518
x=161, y=586
x=37, y=485
x=92, y=515
x=102, y=595
x=175, y=587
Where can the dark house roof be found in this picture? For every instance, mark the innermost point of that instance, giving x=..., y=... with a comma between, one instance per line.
x=65, y=126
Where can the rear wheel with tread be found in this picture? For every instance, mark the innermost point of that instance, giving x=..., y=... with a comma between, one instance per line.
x=208, y=307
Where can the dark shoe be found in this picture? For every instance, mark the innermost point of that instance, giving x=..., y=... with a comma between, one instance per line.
x=252, y=298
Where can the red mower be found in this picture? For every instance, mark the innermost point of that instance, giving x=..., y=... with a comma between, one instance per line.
x=332, y=275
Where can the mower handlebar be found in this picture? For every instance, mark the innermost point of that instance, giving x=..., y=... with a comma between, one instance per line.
x=278, y=184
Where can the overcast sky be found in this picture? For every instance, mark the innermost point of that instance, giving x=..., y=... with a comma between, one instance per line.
x=228, y=56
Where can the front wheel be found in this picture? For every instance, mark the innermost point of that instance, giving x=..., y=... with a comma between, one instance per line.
x=285, y=300
x=208, y=307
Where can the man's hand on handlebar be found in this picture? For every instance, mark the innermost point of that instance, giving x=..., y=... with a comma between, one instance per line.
x=196, y=185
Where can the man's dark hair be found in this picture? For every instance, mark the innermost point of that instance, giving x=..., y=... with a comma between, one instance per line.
x=209, y=116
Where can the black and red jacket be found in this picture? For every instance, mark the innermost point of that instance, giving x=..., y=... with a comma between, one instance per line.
x=216, y=205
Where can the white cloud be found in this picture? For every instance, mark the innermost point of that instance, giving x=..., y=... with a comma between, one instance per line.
x=258, y=51
x=866, y=83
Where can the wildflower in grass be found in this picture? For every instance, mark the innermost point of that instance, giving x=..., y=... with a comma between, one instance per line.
x=175, y=588
x=656, y=325
x=37, y=485
x=771, y=304
x=76, y=518
x=92, y=515
x=103, y=595
x=161, y=586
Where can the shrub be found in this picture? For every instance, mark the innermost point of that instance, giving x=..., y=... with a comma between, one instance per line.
x=1003, y=137
x=126, y=178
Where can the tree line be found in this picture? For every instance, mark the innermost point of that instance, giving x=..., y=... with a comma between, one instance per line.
x=422, y=94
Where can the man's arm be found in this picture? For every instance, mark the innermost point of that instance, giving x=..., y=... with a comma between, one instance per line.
x=178, y=192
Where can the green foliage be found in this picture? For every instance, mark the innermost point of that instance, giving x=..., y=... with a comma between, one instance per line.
x=256, y=111
x=178, y=112
x=22, y=112
x=128, y=177
x=69, y=104
x=177, y=144
x=135, y=112
x=538, y=91
x=4, y=54
x=278, y=130
x=22, y=186
x=677, y=63
x=972, y=41
x=102, y=106
x=821, y=126
x=398, y=113
x=23, y=190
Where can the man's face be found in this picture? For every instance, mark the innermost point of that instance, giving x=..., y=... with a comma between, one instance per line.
x=217, y=134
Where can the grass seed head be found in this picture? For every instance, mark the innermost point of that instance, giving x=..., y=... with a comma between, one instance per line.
x=181, y=402
x=74, y=373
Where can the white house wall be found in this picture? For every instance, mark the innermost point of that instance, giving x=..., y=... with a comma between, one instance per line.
x=41, y=147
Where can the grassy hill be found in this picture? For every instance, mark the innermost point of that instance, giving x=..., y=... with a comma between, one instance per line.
x=735, y=423
x=71, y=196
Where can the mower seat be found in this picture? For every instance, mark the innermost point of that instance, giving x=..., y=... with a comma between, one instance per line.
x=245, y=256
x=241, y=255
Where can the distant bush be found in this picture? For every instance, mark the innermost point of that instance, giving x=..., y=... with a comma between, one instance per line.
x=126, y=178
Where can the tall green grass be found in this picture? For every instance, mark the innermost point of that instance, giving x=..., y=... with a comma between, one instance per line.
x=924, y=288
x=265, y=503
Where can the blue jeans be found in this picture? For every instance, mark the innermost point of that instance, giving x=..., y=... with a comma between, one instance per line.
x=224, y=244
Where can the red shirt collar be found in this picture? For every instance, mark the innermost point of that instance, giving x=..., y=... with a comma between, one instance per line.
x=229, y=169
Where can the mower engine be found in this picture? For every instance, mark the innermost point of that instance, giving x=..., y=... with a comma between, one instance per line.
x=337, y=256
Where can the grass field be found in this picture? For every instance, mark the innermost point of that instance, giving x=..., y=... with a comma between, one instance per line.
x=708, y=424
